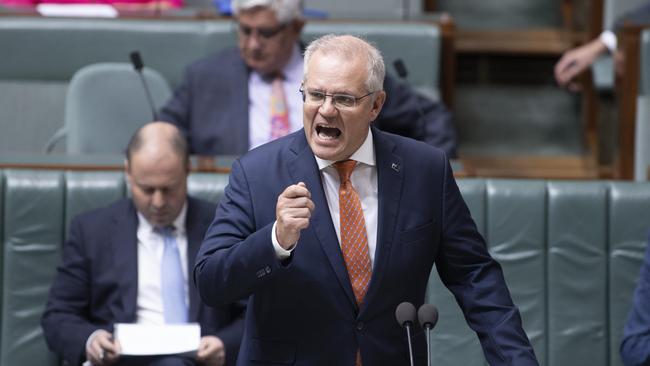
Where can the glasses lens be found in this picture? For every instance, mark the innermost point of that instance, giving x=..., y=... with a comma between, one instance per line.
x=245, y=30
x=265, y=33
x=343, y=100
x=315, y=96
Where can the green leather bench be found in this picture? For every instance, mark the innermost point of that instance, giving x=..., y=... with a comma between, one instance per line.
x=40, y=55
x=570, y=252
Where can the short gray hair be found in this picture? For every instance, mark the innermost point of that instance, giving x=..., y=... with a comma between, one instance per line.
x=350, y=46
x=285, y=10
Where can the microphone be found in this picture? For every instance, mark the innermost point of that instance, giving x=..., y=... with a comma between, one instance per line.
x=402, y=72
x=138, y=65
x=428, y=317
x=405, y=315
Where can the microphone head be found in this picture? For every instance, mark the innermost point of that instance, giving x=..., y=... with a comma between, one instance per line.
x=428, y=316
x=136, y=60
x=405, y=314
x=400, y=68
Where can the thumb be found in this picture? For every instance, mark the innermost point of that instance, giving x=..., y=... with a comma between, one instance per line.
x=302, y=184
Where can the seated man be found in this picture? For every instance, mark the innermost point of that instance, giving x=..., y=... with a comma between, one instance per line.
x=233, y=101
x=128, y=263
x=635, y=347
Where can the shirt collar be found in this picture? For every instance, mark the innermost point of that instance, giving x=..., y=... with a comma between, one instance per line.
x=179, y=223
x=365, y=154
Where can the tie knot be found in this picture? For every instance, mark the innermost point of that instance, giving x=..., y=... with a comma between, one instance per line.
x=345, y=168
x=167, y=231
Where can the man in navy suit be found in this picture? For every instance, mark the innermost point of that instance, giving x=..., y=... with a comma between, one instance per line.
x=113, y=264
x=635, y=347
x=325, y=257
x=222, y=104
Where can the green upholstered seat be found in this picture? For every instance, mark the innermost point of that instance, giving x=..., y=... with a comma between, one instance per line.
x=106, y=103
x=42, y=54
x=570, y=252
x=33, y=227
x=576, y=273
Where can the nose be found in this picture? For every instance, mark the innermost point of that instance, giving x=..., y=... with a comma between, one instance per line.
x=158, y=199
x=327, y=109
x=252, y=41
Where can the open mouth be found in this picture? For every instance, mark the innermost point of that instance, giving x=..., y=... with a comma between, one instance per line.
x=327, y=133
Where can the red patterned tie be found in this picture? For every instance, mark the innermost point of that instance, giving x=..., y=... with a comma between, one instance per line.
x=279, y=112
x=354, y=238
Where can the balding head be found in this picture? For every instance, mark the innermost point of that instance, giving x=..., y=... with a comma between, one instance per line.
x=156, y=168
x=348, y=47
x=158, y=138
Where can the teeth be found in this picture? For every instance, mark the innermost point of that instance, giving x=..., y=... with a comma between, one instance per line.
x=327, y=133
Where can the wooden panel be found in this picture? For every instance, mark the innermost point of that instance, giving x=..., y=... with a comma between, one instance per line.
x=627, y=90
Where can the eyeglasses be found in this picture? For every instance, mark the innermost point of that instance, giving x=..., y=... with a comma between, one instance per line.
x=264, y=33
x=340, y=101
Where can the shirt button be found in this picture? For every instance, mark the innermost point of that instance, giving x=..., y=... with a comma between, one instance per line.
x=360, y=326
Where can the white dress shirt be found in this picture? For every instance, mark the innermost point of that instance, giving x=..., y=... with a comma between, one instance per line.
x=364, y=181
x=149, y=304
x=151, y=245
x=259, y=94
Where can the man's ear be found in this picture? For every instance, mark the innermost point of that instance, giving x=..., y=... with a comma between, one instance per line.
x=378, y=103
x=127, y=170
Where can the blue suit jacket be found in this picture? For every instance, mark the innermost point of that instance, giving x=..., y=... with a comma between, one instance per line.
x=635, y=347
x=302, y=311
x=96, y=285
x=211, y=107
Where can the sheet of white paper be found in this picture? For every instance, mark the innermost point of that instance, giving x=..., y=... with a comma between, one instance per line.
x=77, y=10
x=147, y=340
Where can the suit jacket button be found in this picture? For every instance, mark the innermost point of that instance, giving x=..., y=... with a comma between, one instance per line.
x=359, y=325
x=267, y=269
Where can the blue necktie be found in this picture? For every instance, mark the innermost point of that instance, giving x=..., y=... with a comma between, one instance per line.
x=172, y=281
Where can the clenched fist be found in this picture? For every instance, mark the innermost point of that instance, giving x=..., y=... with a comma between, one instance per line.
x=292, y=214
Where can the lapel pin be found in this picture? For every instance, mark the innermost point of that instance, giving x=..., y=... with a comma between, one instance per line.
x=395, y=167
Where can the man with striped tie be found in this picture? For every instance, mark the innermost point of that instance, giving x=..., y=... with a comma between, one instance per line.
x=328, y=229
x=129, y=263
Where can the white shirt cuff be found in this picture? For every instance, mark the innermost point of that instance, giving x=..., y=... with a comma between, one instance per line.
x=609, y=40
x=280, y=251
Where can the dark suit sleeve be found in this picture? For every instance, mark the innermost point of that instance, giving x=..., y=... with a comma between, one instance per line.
x=66, y=323
x=477, y=282
x=177, y=109
x=401, y=115
x=236, y=257
x=635, y=347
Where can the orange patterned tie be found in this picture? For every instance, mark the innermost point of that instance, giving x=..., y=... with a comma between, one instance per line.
x=354, y=238
x=279, y=111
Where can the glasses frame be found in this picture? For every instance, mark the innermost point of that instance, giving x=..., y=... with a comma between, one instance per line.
x=261, y=33
x=333, y=96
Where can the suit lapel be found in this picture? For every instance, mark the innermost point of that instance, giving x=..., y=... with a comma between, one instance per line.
x=193, y=226
x=125, y=259
x=303, y=168
x=389, y=181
